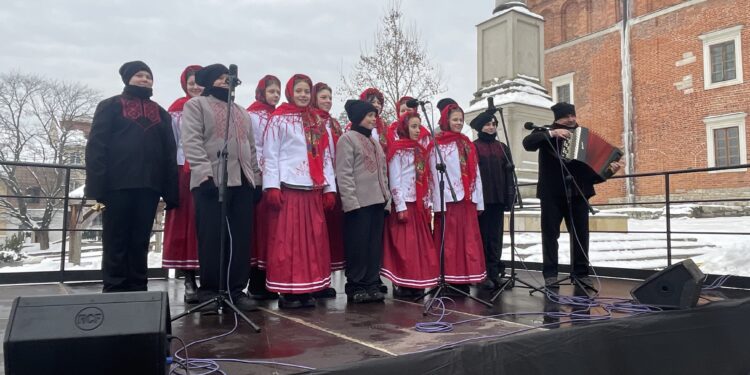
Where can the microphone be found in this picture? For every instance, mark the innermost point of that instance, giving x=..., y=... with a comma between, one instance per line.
x=530, y=126
x=232, y=80
x=414, y=103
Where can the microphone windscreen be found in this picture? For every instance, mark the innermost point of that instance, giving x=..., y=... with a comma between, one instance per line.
x=412, y=103
x=528, y=125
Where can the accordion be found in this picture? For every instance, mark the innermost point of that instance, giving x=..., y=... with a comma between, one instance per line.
x=589, y=148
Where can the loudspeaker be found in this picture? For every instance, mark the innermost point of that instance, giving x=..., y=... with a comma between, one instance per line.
x=113, y=333
x=676, y=287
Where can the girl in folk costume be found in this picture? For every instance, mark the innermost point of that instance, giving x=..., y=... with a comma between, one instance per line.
x=130, y=163
x=410, y=260
x=180, y=238
x=204, y=124
x=322, y=99
x=267, y=95
x=299, y=183
x=363, y=185
x=464, y=256
x=402, y=108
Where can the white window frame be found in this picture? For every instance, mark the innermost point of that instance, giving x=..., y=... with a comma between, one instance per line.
x=720, y=122
x=731, y=34
x=565, y=79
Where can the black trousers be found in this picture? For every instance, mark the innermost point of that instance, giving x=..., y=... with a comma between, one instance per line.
x=208, y=224
x=126, y=232
x=554, y=211
x=363, y=247
x=491, y=228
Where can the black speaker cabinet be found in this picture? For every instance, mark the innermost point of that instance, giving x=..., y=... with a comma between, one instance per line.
x=676, y=287
x=113, y=333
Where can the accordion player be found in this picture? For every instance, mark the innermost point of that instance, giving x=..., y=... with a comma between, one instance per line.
x=589, y=148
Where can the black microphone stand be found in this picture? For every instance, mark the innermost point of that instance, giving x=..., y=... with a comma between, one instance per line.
x=442, y=285
x=568, y=181
x=223, y=299
x=512, y=278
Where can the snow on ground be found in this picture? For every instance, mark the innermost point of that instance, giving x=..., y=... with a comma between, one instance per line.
x=714, y=253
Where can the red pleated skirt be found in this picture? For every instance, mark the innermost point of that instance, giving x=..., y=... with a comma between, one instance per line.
x=409, y=255
x=335, y=224
x=180, y=237
x=464, y=255
x=259, y=244
x=299, y=256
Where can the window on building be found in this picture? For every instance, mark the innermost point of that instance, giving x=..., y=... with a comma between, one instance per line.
x=722, y=58
x=562, y=89
x=727, y=146
x=726, y=140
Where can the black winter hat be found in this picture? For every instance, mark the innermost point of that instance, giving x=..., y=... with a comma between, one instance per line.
x=206, y=76
x=444, y=103
x=356, y=110
x=482, y=119
x=130, y=68
x=563, y=109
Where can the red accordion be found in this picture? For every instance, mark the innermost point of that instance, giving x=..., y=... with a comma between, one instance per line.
x=589, y=148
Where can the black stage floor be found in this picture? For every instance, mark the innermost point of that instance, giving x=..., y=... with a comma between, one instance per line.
x=336, y=333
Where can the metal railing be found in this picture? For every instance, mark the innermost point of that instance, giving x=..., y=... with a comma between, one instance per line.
x=63, y=275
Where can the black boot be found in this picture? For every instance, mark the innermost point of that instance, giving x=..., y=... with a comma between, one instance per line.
x=191, y=288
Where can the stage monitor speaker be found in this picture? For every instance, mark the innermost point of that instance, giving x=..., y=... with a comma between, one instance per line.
x=111, y=333
x=676, y=287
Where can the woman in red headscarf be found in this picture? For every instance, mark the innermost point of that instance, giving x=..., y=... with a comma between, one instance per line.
x=180, y=239
x=464, y=254
x=409, y=257
x=298, y=183
x=402, y=108
x=322, y=99
x=267, y=95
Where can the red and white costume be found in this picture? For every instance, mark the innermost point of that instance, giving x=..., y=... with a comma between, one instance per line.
x=260, y=112
x=335, y=216
x=298, y=161
x=180, y=237
x=409, y=255
x=464, y=254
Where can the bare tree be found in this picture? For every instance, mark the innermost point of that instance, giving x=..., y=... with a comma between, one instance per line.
x=35, y=114
x=397, y=65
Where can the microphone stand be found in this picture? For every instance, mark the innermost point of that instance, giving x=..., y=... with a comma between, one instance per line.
x=223, y=299
x=442, y=285
x=512, y=278
x=568, y=180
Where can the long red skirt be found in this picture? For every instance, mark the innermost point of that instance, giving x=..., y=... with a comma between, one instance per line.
x=464, y=255
x=335, y=224
x=409, y=255
x=180, y=238
x=259, y=244
x=299, y=257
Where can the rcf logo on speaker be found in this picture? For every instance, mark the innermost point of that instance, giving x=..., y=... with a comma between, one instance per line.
x=89, y=318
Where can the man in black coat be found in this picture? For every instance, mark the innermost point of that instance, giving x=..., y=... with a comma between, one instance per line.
x=559, y=197
x=130, y=163
x=496, y=171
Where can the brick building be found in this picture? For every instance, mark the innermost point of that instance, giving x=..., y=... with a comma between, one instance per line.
x=662, y=78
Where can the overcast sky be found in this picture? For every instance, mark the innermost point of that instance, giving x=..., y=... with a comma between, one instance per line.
x=88, y=40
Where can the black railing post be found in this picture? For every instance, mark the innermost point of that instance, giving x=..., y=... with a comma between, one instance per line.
x=669, y=219
x=64, y=225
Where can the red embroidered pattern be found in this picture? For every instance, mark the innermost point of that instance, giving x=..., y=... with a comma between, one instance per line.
x=369, y=153
x=219, y=110
x=143, y=112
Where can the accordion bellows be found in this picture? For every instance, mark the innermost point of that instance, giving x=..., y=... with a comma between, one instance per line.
x=587, y=147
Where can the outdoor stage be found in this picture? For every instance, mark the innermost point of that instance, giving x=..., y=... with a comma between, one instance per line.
x=336, y=335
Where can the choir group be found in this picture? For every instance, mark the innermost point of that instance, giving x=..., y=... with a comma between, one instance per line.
x=306, y=195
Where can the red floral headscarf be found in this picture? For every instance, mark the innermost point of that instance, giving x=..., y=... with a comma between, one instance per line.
x=421, y=153
x=336, y=129
x=260, y=103
x=380, y=125
x=314, y=127
x=467, y=154
x=179, y=104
